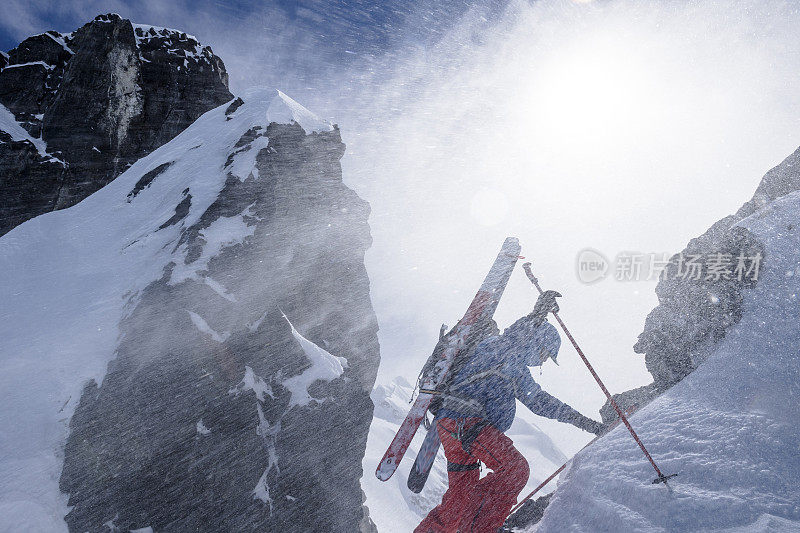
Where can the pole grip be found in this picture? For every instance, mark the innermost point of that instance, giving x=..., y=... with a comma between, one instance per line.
x=528, y=272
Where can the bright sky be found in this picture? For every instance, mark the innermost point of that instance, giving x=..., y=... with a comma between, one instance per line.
x=618, y=125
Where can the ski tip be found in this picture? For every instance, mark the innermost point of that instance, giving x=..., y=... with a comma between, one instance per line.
x=383, y=475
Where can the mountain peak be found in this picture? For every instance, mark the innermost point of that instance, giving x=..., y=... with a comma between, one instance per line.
x=108, y=17
x=98, y=99
x=201, y=246
x=279, y=108
x=285, y=110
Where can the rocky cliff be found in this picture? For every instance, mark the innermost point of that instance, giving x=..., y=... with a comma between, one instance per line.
x=238, y=398
x=703, y=294
x=699, y=300
x=729, y=429
x=97, y=99
x=196, y=336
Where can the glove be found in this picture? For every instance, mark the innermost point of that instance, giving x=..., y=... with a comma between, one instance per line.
x=545, y=304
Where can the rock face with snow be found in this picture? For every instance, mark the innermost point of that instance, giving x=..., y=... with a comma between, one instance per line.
x=212, y=334
x=693, y=314
x=722, y=353
x=698, y=306
x=100, y=98
x=729, y=429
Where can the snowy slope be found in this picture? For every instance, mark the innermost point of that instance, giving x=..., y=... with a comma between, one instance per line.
x=70, y=276
x=730, y=429
x=393, y=507
x=9, y=125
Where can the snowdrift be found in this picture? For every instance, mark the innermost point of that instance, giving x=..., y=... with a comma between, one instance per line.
x=730, y=429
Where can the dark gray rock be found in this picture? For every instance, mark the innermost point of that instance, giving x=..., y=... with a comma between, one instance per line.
x=529, y=513
x=29, y=84
x=171, y=439
x=180, y=79
x=48, y=47
x=236, y=104
x=25, y=89
x=694, y=314
x=629, y=401
x=32, y=176
x=779, y=181
x=101, y=98
x=147, y=179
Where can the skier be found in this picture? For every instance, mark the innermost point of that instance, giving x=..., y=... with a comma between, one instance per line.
x=476, y=409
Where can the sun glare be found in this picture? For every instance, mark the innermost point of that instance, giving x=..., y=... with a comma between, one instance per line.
x=489, y=207
x=592, y=95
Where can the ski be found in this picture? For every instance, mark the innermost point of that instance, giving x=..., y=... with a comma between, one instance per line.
x=482, y=307
x=424, y=461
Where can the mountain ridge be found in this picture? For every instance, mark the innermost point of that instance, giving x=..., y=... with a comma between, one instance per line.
x=97, y=99
x=162, y=292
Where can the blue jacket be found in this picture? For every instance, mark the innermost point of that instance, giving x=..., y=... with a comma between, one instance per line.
x=497, y=375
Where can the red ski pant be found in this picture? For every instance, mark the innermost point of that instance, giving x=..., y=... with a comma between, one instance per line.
x=472, y=504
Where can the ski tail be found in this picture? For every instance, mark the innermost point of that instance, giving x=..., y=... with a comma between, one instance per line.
x=424, y=462
x=397, y=449
x=482, y=307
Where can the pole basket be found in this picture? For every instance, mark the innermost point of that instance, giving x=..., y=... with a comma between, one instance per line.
x=663, y=479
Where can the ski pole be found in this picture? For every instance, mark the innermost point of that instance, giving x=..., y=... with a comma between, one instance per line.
x=537, y=489
x=661, y=477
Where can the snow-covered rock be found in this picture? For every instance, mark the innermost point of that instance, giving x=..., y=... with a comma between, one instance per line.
x=701, y=293
x=15, y=131
x=729, y=429
x=697, y=306
x=100, y=98
x=322, y=367
x=284, y=110
x=146, y=367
